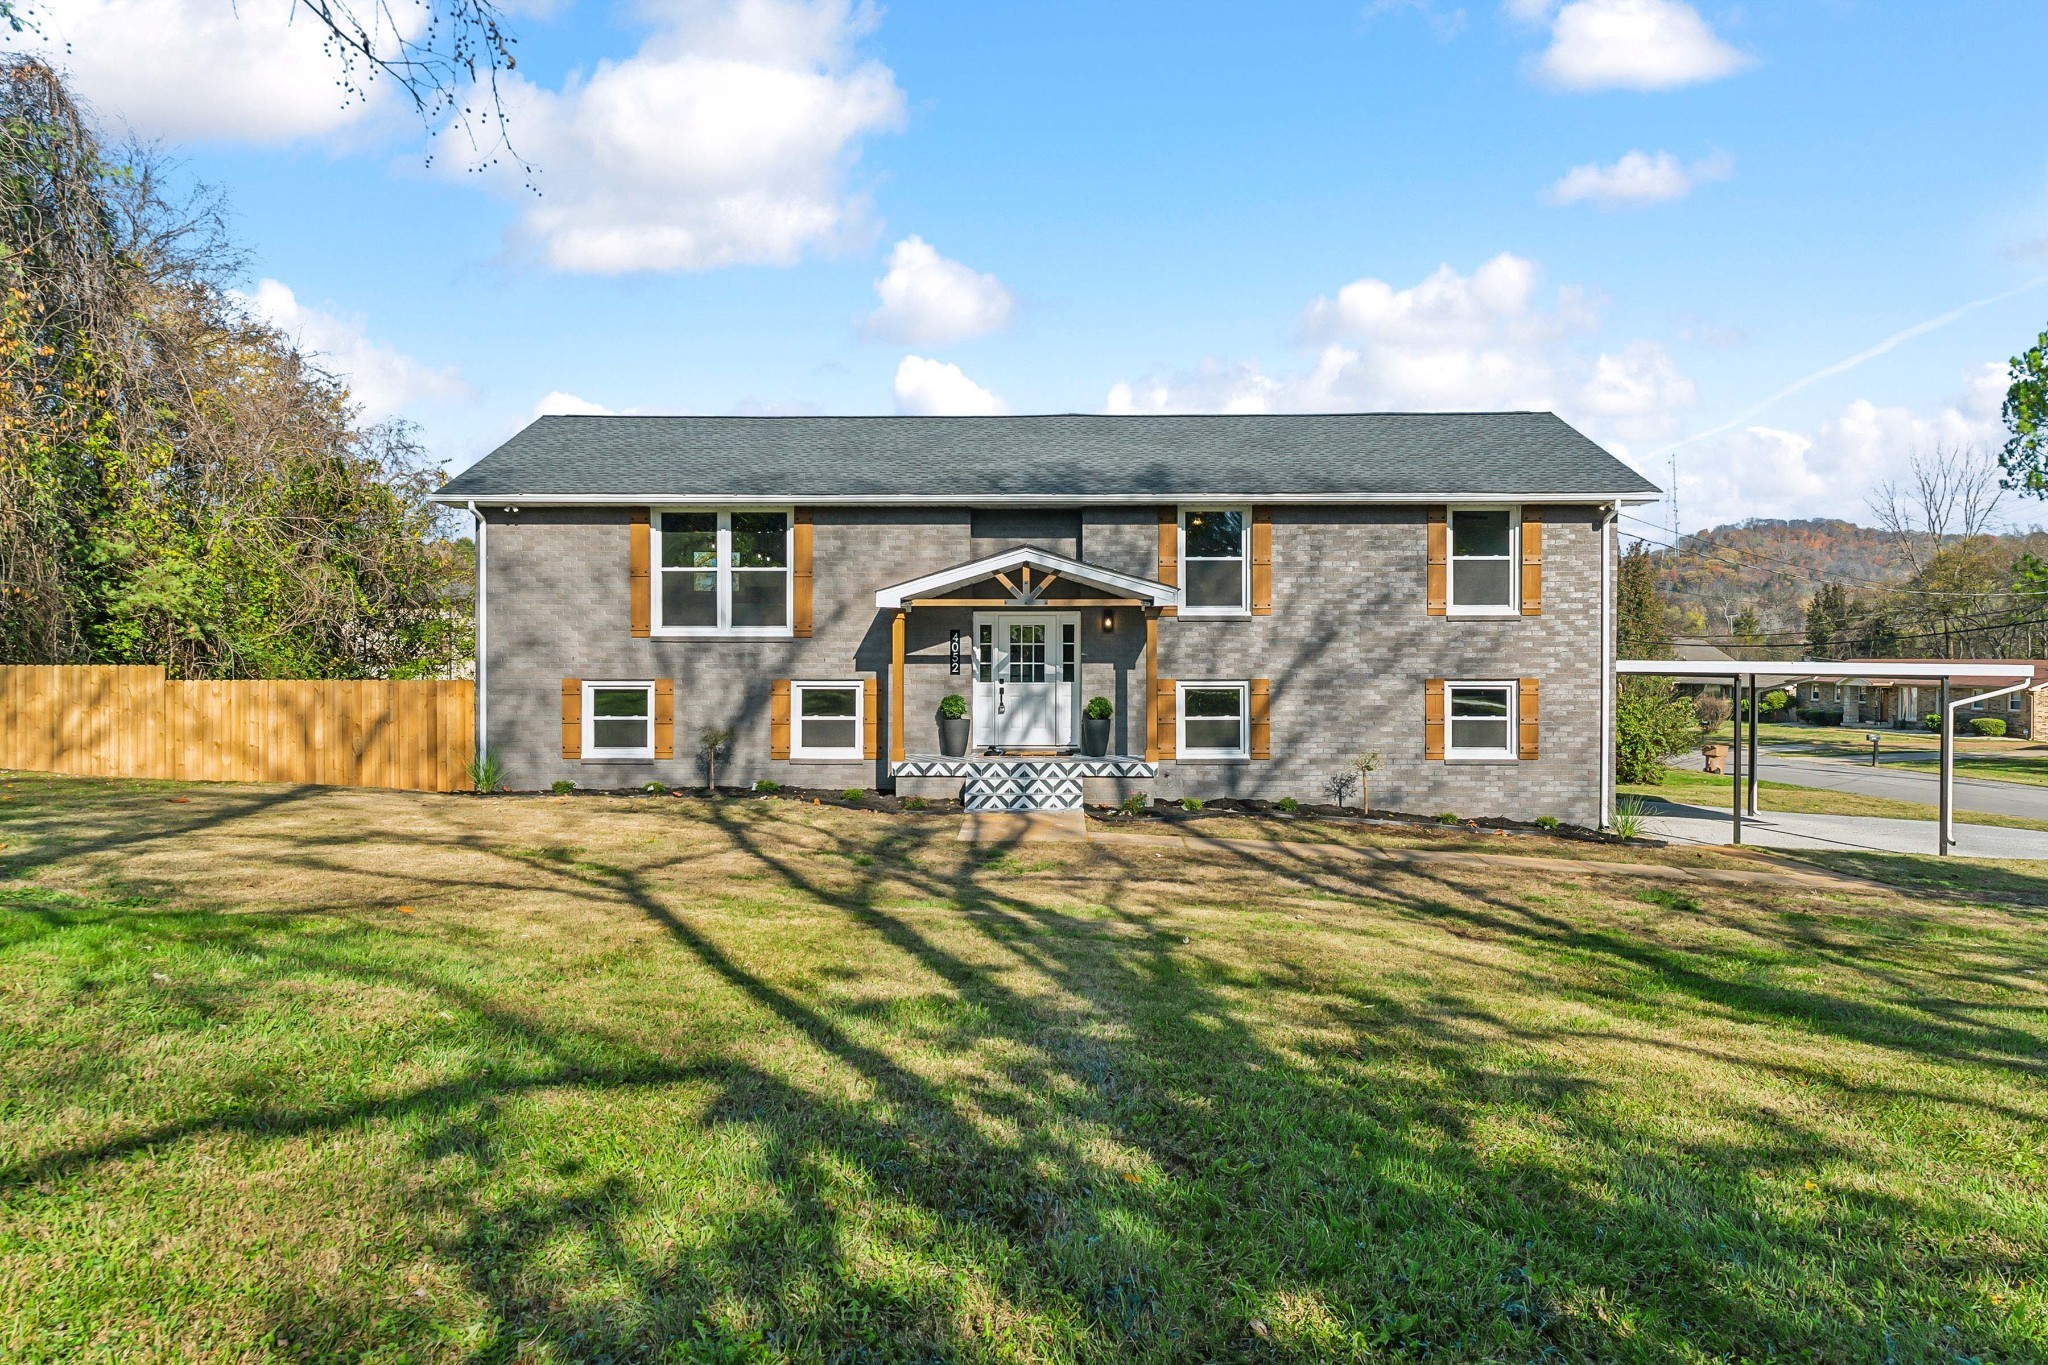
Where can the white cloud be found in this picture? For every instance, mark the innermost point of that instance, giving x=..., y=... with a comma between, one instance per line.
x=928, y=300
x=1638, y=179
x=1635, y=394
x=385, y=382
x=725, y=140
x=932, y=388
x=559, y=404
x=1634, y=45
x=1493, y=339
x=201, y=70
x=1828, y=470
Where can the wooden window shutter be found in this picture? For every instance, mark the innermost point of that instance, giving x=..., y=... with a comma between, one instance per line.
x=1262, y=717
x=1438, y=590
x=1166, y=719
x=1433, y=718
x=800, y=574
x=778, y=719
x=637, y=557
x=1262, y=561
x=1169, y=553
x=664, y=717
x=1526, y=719
x=870, y=718
x=1532, y=561
x=572, y=718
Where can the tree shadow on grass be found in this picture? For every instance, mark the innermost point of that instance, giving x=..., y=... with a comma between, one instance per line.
x=1091, y=1134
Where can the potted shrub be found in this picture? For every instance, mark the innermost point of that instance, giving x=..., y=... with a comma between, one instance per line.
x=955, y=730
x=1095, y=727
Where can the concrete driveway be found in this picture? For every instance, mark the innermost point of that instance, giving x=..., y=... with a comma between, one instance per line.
x=1684, y=824
x=1840, y=775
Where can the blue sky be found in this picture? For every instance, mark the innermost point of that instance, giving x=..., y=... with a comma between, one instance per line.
x=1649, y=215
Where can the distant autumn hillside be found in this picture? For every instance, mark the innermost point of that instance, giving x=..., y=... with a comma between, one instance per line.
x=1774, y=567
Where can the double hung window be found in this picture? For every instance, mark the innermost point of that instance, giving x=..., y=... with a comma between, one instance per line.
x=1483, y=560
x=618, y=720
x=1212, y=720
x=828, y=720
x=1481, y=721
x=724, y=573
x=1214, y=561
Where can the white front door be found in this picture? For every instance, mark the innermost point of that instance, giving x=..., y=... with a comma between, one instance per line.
x=1019, y=694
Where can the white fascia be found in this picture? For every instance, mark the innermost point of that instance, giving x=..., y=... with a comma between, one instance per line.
x=959, y=576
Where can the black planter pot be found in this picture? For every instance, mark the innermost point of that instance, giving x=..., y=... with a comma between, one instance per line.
x=1094, y=736
x=954, y=736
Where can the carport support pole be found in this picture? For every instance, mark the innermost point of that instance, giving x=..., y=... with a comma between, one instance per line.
x=1735, y=764
x=1751, y=783
x=1945, y=838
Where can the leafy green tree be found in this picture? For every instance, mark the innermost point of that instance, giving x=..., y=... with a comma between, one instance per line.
x=1652, y=722
x=1642, y=631
x=178, y=484
x=1748, y=631
x=1828, y=614
x=2025, y=457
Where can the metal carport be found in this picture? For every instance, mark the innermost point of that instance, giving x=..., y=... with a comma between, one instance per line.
x=1745, y=674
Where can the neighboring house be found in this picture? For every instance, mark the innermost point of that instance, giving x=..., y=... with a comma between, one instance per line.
x=1906, y=706
x=1261, y=598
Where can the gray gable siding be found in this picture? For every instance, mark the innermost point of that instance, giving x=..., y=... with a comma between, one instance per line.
x=1074, y=459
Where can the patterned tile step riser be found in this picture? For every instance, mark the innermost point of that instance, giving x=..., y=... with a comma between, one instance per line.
x=1027, y=790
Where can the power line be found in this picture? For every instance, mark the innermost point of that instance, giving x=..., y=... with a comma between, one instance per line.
x=1810, y=574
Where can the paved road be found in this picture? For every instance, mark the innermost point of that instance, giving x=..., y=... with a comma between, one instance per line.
x=1834, y=774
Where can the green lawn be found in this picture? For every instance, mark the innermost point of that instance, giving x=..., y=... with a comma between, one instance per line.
x=1700, y=789
x=300, y=1075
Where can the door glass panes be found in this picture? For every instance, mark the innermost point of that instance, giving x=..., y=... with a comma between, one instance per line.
x=1479, y=719
x=1212, y=719
x=1481, y=558
x=1027, y=654
x=619, y=718
x=830, y=718
x=689, y=569
x=985, y=654
x=1068, y=652
x=1213, y=549
x=760, y=570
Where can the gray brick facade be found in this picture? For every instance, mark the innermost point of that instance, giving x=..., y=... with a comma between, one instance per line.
x=1348, y=648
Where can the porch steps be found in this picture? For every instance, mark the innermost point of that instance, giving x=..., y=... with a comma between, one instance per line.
x=1023, y=784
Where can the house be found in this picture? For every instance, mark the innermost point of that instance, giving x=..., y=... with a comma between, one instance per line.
x=1906, y=706
x=1260, y=598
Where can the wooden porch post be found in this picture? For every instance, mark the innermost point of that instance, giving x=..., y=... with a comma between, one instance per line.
x=1151, y=685
x=896, y=752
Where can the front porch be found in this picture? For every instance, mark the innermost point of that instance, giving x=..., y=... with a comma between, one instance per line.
x=1026, y=633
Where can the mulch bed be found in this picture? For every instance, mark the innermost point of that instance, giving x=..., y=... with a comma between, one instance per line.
x=1160, y=812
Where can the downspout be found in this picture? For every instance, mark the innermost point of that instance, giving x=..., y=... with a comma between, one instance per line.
x=1607, y=667
x=482, y=636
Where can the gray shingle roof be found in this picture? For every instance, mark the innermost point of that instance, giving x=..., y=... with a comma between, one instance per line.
x=1356, y=456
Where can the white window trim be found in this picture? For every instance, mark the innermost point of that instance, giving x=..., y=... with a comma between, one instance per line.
x=1244, y=591
x=723, y=550
x=797, y=748
x=1514, y=560
x=1183, y=753
x=1512, y=753
x=590, y=749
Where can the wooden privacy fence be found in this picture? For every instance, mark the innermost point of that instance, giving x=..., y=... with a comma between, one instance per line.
x=124, y=721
